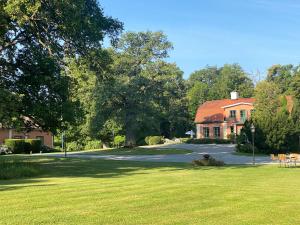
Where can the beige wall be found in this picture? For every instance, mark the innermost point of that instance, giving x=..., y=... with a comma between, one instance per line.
x=210, y=126
x=238, y=108
x=48, y=137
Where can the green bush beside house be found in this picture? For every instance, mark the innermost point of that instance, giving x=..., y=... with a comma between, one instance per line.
x=20, y=146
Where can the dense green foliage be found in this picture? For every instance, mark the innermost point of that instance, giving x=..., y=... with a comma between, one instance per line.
x=93, y=145
x=36, y=38
x=74, y=146
x=154, y=140
x=146, y=95
x=212, y=83
x=19, y=146
x=119, y=140
x=276, y=120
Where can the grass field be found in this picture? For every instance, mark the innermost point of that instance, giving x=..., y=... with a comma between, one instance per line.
x=137, y=151
x=77, y=191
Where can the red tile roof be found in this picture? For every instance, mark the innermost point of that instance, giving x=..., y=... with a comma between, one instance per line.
x=212, y=111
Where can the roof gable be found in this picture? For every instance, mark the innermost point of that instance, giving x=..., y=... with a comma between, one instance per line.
x=213, y=111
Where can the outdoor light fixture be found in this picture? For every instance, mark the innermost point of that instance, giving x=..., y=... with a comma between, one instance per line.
x=253, y=132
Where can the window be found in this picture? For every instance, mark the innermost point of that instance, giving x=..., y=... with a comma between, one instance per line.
x=217, y=132
x=243, y=115
x=206, y=132
x=232, y=113
x=232, y=129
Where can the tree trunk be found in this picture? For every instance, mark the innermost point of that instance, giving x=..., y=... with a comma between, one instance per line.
x=130, y=141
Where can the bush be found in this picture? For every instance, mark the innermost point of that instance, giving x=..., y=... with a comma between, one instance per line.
x=19, y=146
x=245, y=148
x=73, y=146
x=154, y=140
x=119, y=140
x=208, y=161
x=35, y=145
x=147, y=139
x=90, y=145
x=207, y=141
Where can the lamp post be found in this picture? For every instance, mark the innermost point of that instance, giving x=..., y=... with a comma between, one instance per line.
x=253, y=132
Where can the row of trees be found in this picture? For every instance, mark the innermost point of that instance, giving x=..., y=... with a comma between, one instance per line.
x=213, y=83
x=54, y=71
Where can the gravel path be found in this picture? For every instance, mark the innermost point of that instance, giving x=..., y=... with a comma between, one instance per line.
x=220, y=152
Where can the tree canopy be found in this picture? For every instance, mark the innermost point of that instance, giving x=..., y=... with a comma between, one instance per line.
x=213, y=83
x=36, y=37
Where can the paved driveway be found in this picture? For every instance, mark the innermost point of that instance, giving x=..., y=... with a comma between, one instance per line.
x=221, y=152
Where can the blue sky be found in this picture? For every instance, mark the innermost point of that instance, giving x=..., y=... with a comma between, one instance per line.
x=254, y=33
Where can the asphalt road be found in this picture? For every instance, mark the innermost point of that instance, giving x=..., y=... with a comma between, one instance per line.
x=222, y=152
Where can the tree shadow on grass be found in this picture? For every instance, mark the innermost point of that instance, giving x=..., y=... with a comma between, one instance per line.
x=99, y=168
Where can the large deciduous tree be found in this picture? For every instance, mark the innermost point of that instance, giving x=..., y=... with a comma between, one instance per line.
x=35, y=39
x=146, y=93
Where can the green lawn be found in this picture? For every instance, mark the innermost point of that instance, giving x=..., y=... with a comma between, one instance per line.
x=77, y=191
x=137, y=151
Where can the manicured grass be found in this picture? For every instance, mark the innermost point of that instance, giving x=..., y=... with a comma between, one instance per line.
x=137, y=151
x=77, y=191
x=16, y=167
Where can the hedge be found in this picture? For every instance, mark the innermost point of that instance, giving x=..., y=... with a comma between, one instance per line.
x=19, y=146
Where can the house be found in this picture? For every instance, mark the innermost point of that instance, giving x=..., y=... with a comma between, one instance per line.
x=45, y=137
x=222, y=118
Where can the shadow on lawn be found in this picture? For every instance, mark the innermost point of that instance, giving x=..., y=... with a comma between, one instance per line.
x=98, y=168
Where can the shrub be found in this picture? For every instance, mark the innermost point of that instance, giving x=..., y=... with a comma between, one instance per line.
x=154, y=140
x=119, y=140
x=245, y=148
x=147, y=139
x=17, y=146
x=208, y=161
x=93, y=145
x=73, y=146
x=35, y=145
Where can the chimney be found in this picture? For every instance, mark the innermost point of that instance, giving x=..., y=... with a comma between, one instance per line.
x=234, y=95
